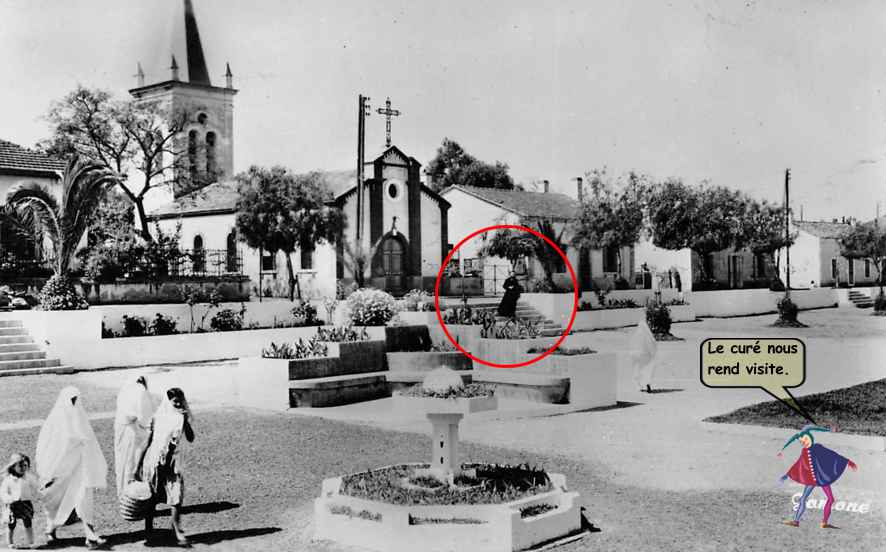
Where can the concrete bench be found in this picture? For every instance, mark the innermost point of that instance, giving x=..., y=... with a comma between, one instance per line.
x=338, y=390
x=514, y=384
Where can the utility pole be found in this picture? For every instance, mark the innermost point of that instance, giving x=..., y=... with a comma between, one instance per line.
x=787, y=232
x=362, y=113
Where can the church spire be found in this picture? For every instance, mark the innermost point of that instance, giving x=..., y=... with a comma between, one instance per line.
x=197, y=73
x=229, y=77
x=174, y=68
x=140, y=75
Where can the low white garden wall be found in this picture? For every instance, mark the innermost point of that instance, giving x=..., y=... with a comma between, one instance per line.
x=619, y=318
x=75, y=338
x=743, y=302
x=262, y=313
x=557, y=307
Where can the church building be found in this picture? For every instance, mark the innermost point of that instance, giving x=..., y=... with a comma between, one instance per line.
x=404, y=223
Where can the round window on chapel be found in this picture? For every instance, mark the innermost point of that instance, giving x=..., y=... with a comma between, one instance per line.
x=393, y=190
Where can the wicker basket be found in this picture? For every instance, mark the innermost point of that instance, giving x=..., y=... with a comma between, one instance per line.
x=136, y=502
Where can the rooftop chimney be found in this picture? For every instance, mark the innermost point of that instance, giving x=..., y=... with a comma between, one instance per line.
x=580, y=188
x=547, y=185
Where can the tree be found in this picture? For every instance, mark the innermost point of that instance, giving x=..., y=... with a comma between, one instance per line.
x=124, y=136
x=282, y=211
x=763, y=230
x=64, y=222
x=611, y=216
x=454, y=166
x=508, y=244
x=546, y=255
x=703, y=218
x=866, y=241
x=357, y=259
x=83, y=186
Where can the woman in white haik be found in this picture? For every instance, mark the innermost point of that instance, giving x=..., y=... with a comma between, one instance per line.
x=163, y=463
x=132, y=425
x=70, y=464
x=642, y=354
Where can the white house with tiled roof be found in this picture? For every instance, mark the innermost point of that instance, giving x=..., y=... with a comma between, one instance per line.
x=474, y=208
x=17, y=166
x=815, y=257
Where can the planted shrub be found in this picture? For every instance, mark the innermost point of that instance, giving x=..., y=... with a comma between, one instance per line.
x=300, y=349
x=514, y=328
x=371, y=307
x=880, y=304
x=163, y=325
x=227, y=320
x=304, y=314
x=658, y=316
x=107, y=333
x=342, y=334
x=787, y=309
x=417, y=300
x=467, y=316
x=59, y=294
x=134, y=326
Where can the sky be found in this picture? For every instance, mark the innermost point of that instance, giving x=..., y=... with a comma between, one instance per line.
x=730, y=92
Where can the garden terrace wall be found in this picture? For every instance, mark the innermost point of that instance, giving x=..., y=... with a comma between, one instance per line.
x=231, y=289
x=426, y=361
x=357, y=357
x=618, y=318
x=264, y=313
x=507, y=351
x=557, y=307
x=465, y=334
x=744, y=302
x=75, y=338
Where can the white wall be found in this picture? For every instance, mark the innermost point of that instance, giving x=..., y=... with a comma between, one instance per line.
x=75, y=338
x=316, y=282
x=742, y=302
x=431, y=227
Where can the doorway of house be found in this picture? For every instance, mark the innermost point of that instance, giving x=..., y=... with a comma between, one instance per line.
x=392, y=264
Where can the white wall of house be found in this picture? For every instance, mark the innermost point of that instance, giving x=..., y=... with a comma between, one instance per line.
x=817, y=259
x=318, y=281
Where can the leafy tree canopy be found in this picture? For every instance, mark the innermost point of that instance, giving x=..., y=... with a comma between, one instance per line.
x=282, y=211
x=454, y=166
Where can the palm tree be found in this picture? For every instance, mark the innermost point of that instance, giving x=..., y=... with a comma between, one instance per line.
x=64, y=222
x=547, y=256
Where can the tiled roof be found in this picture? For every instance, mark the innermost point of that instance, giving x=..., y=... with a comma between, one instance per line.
x=16, y=158
x=526, y=204
x=823, y=229
x=223, y=196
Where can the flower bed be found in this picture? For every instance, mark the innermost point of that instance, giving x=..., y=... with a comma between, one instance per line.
x=499, y=517
x=471, y=398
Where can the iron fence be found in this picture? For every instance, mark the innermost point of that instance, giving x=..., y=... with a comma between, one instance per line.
x=207, y=262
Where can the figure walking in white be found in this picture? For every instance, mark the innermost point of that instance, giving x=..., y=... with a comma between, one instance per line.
x=642, y=356
x=70, y=464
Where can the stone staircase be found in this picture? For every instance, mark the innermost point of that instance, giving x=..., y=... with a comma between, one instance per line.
x=860, y=300
x=525, y=312
x=20, y=356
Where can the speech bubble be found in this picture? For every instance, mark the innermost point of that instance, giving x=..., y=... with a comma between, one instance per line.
x=773, y=365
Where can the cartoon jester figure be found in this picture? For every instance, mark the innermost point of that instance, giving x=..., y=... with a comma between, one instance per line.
x=817, y=466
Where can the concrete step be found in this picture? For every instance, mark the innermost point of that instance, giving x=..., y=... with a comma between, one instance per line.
x=11, y=324
x=12, y=330
x=36, y=363
x=9, y=339
x=38, y=371
x=22, y=355
x=19, y=347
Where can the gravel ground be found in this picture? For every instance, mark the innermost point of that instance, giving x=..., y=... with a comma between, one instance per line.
x=251, y=480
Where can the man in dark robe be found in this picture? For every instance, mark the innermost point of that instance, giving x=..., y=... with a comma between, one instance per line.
x=508, y=305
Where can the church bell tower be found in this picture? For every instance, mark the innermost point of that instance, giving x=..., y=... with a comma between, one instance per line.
x=204, y=150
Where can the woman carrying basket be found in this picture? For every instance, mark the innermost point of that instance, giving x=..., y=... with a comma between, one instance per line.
x=162, y=463
x=132, y=425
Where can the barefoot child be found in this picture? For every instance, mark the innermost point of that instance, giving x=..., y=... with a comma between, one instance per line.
x=17, y=491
